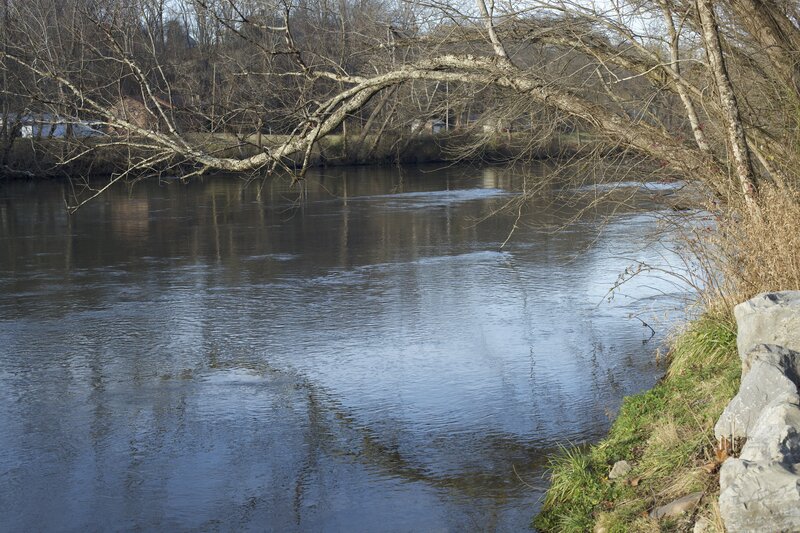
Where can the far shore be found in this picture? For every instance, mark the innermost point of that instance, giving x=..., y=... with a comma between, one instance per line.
x=29, y=158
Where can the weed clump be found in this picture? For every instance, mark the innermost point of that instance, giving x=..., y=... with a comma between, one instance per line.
x=759, y=252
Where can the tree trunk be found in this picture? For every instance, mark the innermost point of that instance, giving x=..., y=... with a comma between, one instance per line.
x=688, y=104
x=727, y=98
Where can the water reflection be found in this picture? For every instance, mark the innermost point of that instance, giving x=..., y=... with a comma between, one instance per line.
x=222, y=356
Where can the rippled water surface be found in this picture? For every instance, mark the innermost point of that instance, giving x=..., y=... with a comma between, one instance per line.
x=222, y=356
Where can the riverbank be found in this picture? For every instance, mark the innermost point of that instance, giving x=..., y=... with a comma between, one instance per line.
x=666, y=434
x=53, y=158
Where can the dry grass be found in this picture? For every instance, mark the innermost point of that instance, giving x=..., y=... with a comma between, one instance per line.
x=752, y=252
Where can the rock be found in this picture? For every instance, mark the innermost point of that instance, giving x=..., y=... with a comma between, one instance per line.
x=678, y=507
x=760, y=490
x=769, y=318
x=759, y=497
x=775, y=436
x=703, y=525
x=620, y=470
x=772, y=378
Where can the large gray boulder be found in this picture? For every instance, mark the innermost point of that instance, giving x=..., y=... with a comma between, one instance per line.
x=760, y=490
x=773, y=377
x=769, y=318
x=759, y=497
x=775, y=436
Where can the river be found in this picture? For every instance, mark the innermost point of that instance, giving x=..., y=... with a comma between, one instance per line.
x=231, y=356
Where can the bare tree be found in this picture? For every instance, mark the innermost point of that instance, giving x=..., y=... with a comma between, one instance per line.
x=210, y=77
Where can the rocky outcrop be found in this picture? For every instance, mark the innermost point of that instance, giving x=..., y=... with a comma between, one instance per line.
x=769, y=318
x=772, y=377
x=759, y=497
x=760, y=490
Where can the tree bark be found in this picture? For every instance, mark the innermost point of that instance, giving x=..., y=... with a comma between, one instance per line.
x=727, y=98
x=683, y=93
x=488, y=21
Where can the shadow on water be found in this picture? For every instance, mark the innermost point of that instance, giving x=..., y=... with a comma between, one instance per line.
x=222, y=356
x=336, y=432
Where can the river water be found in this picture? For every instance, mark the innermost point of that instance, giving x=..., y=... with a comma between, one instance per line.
x=223, y=356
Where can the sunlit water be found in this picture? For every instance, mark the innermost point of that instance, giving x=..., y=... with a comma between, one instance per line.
x=216, y=356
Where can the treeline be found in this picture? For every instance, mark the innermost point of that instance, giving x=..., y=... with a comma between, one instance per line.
x=253, y=68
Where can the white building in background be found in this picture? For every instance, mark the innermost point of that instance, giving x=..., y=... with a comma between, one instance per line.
x=429, y=126
x=49, y=126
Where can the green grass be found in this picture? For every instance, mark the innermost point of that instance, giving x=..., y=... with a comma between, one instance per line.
x=666, y=433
